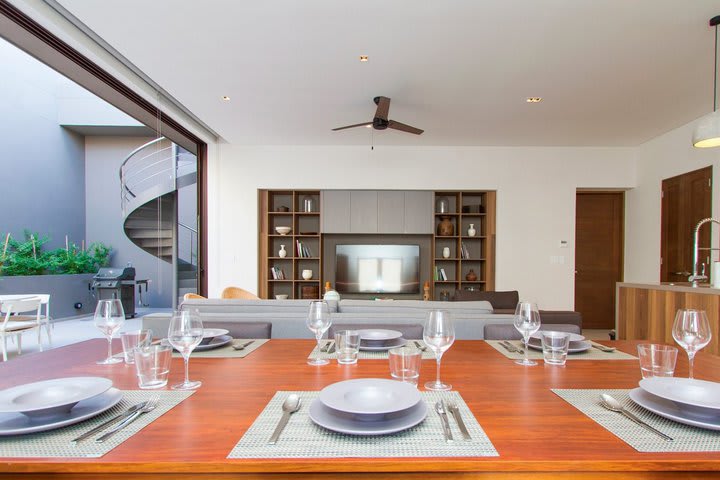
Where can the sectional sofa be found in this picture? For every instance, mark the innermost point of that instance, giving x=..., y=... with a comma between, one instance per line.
x=288, y=316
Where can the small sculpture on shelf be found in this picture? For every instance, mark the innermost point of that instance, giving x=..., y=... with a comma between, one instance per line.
x=426, y=291
x=330, y=293
x=471, y=276
x=445, y=228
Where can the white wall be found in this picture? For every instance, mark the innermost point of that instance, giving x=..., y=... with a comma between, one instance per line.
x=535, y=200
x=663, y=157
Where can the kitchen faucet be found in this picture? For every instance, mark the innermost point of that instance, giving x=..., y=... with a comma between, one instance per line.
x=695, y=277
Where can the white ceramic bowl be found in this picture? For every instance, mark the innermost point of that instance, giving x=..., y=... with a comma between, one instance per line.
x=283, y=230
x=281, y=297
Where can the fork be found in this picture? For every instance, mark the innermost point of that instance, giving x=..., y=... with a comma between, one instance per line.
x=149, y=406
x=420, y=346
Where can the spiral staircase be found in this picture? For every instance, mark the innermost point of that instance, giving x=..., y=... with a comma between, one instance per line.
x=150, y=178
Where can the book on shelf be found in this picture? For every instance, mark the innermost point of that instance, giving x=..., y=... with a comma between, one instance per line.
x=443, y=276
x=464, y=252
x=303, y=251
x=277, y=273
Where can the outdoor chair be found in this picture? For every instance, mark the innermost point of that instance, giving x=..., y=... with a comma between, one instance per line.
x=45, y=318
x=15, y=323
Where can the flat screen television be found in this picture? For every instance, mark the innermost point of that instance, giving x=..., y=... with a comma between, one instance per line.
x=377, y=268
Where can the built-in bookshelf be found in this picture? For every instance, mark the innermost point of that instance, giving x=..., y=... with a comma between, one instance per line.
x=299, y=210
x=463, y=252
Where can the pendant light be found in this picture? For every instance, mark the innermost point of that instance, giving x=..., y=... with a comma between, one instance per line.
x=707, y=133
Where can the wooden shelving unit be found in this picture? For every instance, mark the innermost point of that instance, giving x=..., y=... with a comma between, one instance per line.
x=305, y=229
x=464, y=208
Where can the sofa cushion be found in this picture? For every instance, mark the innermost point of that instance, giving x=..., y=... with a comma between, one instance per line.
x=224, y=305
x=411, y=307
x=498, y=300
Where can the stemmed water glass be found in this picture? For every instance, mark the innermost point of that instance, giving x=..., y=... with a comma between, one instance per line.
x=527, y=322
x=109, y=317
x=691, y=331
x=185, y=333
x=318, y=321
x=438, y=335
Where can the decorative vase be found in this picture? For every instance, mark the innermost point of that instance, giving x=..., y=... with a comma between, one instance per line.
x=307, y=274
x=471, y=276
x=444, y=296
x=282, y=253
x=445, y=228
x=308, y=204
x=446, y=252
x=443, y=205
x=471, y=230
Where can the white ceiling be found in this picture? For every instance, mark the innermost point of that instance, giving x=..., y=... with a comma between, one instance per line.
x=611, y=72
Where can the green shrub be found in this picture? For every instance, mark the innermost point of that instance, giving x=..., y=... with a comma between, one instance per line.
x=28, y=258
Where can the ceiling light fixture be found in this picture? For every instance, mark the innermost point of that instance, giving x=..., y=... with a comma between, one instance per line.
x=707, y=133
x=226, y=98
x=363, y=58
x=533, y=99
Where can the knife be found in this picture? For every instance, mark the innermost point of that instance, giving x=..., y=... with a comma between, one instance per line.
x=116, y=418
x=455, y=411
x=332, y=348
x=510, y=347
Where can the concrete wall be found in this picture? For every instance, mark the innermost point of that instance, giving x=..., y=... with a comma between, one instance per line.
x=43, y=164
x=663, y=157
x=535, y=200
x=104, y=215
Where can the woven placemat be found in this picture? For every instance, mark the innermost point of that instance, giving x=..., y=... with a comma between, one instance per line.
x=427, y=354
x=228, y=351
x=58, y=443
x=685, y=437
x=589, y=354
x=303, y=439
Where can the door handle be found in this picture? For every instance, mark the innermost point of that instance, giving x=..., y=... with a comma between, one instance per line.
x=681, y=273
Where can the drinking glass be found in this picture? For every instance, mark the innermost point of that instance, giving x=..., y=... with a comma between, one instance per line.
x=109, y=317
x=318, y=321
x=527, y=322
x=185, y=333
x=439, y=335
x=691, y=331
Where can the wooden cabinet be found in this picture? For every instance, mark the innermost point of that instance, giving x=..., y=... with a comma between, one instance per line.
x=377, y=211
x=299, y=210
x=458, y=254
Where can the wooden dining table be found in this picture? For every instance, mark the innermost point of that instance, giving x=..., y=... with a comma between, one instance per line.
x=536, y=433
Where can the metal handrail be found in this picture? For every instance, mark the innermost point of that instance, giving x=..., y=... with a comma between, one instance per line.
x=193, y=243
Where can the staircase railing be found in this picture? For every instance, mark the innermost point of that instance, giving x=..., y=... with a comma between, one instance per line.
x=192, y=244
x=153, y=168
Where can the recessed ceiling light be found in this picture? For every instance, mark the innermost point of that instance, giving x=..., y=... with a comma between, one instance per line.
x=363, y=58
x=533, y=99
x=226, y=98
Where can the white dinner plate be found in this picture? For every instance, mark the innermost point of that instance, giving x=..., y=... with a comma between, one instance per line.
x=385, y=346
x=672, y=411
x=574, y=347
x=370, y=396
x=688, y=391
x=19, y=424
x=51, y=396
x=216, y=342
x=574, y=337
x=210, y=333
x=378, y=335
x=347, y=423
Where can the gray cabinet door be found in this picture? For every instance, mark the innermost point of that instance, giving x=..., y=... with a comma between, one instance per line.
x=391, y=211
x=335, y=211
x=363, y=211
x=418, y=212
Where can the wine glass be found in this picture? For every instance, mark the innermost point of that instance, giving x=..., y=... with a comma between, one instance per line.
x=691, y=331
x=109, y=317
x=527, y=322
x=438, y=335
x=318, y=320
x=185, y=333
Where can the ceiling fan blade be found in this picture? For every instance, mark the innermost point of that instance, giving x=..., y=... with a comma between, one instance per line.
x=352, y=126
x=383, y=108
x=404, y=128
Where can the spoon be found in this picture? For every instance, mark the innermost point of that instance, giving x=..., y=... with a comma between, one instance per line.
x=604, y=348
x=290, y=406
x=237, y=346
x=612, y=404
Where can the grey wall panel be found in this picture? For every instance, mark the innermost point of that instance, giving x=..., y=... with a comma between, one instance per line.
x=391, y=211
x=363, y=211
x=418, y=212
x=335, y=211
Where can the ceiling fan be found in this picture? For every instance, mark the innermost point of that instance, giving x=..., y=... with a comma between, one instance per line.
x=381, y=122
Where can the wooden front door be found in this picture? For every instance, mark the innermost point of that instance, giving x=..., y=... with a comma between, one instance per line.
x=686, y=199
x=598, y=255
